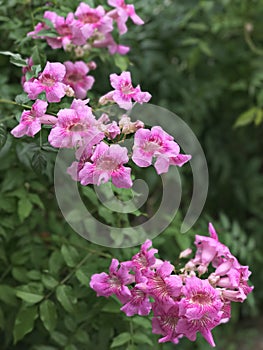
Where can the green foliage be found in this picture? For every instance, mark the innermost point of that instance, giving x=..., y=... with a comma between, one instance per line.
x=197, y=58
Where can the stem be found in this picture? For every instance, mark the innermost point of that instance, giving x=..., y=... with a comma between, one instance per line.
x=131, y=332
x=14, y=103
x=251, y=43
x=65, y=279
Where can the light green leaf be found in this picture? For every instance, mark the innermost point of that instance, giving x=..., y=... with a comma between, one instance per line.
x=24, y=322
x=70, y=255
x=246, y=117
x=48, y=314
x=65, y=297
x=24, y=208
x=121, y=62
x=141, y=338
x=49, y=281
x=34, y=198
x=15, y=58
x=30, y=297
x=121, y=339
x=82, y=277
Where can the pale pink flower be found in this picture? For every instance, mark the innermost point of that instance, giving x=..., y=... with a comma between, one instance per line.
x=111, y=130
x=76, y=77
x=63, y=26
x=129, y=127
x=113, y=283
x=26, y=69
x=30, y=122
x=154, y=144
x=122, y=13
x=50, y=81
x=83, y=155
x=76, y=126
x=93, y=20
x=107, y=41
x=107, y=163
x=124, y=91
x=165, y=322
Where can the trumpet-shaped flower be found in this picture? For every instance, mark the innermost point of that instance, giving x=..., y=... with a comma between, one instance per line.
x=50, y=81
x=124, y=92
x=121, y=14
x=155, y=144
x=107, y=163
x=76, y=126
x=76, y=77
x=30, y=122
x=113, y=283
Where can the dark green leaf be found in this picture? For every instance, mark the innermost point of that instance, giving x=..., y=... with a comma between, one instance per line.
x=70, y=255
x=3, y=135
x=30, y=297
x=24, y=208
x=39, y=162
x=24, y=322
x=65, y=297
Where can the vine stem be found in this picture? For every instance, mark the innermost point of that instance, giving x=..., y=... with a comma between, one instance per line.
x=131, y=332
x=14, y=103
x=68, y=277
x=251, y=43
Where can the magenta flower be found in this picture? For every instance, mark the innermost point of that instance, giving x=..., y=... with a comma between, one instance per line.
x=113, y=283
x=139, y=302
x=76, y=77
x=76, y=126
x=122, y=13
x=165, y=322
x=163, y=286
x=93, y=20
x=50, y=81
x=145, y=260
x=155, y=144
x=111, y=130
x=124, y=91
x=83, y=155
x=200, y=309
x=30, y=122
x=107, y=163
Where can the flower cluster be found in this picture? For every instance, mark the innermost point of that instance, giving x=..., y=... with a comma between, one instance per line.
x=87, y=28
x=183, y=303
x=77, y=127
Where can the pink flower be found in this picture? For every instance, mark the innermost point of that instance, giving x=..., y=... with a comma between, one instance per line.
x=30, y=122
x=124, y=91
x=83, y=155
x=200, y=309
x=106, y=40
x=165, y=322
x=26, y=69
x=63, y=27
x=113, y=283
x=50, y=81
x=111, y=130
x=139, y=302
x=154, y=144
x=76, y=126
x=122, y=13
x=93, y=20
x=162, y=286
x=76, y=77
x=145, y=260
x=107, y=163
x=129, y=127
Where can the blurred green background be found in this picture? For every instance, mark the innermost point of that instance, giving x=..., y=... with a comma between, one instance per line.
x=201, y=60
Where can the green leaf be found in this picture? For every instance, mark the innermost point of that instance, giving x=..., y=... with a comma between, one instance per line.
x=24, y=208
x=60, y=338
x=246, y=117
x=121, y=339
x=3, y=135
x=112, y=307
x=259, y=116
x=70, y=255
x=30, y=297
x=24, y=322
x=34, y=198
x=39, y=162
x=48, y=314
x=2, y=319
x=121, y=62
x=141, y=338
x=82, y=277
x=49, y=281
x=22, y=99
x=65, y=297
x=15, y=58
x=71, y=347
x=7, y=294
